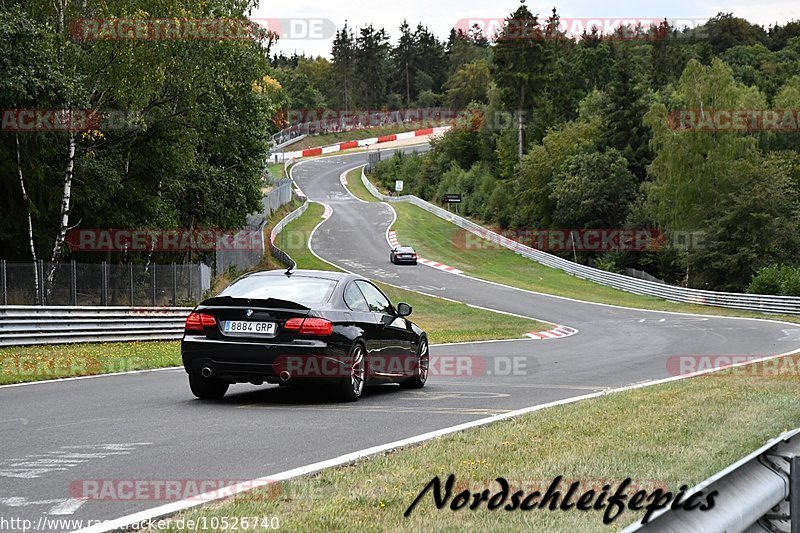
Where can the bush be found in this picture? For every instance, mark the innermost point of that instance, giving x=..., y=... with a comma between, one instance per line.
x=783, y=280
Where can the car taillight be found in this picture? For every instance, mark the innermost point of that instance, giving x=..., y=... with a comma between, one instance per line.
x=198, y=321
x=309, y=326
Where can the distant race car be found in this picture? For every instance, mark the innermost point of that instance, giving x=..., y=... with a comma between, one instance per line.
x=403, y=254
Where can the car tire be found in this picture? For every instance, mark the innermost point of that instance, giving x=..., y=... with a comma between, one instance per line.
x=415, y=262
x=352, y=386
x=421, y=368
x=391, y=258
x=207, y=388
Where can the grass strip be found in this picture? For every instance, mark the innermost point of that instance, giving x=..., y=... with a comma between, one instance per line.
x=356, y=186
x=19, y=364
x=277, y=170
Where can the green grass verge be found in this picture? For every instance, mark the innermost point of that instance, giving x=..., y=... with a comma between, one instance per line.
x=21, y=364
x=657, y=436
x=277, y=170
x=356, y=186
x=444, y=321
x=440, y=240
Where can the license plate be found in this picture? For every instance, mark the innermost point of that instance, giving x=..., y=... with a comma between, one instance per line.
x=250, y=327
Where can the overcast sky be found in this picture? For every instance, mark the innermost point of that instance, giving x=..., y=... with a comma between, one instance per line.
x=442, y=15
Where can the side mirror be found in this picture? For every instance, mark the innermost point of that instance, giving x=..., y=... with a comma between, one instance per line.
x=403, y=309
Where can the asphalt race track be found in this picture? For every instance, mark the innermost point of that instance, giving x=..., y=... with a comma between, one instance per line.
x=148, y=426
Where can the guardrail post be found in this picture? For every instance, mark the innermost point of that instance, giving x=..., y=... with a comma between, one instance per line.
x=189, y=293
x=4, y=281
x=174, y=284
x=40, y=269
x=104, y=281
x=130, y=280
x=73, y=282
x=794, y=493
x=153, y=284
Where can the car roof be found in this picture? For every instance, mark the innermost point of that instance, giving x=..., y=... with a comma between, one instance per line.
x=405, y=248
x=302, y=273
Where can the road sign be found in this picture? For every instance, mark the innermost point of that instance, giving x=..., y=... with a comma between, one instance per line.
x=452, y=198
x=398, y=185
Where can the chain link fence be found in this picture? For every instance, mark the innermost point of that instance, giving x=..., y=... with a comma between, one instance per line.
x=253, y=233
x=103, y=284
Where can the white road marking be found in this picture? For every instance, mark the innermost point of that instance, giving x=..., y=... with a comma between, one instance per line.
x=94, y=376
x=59, y=507
x=66, y=507
x=37, y=465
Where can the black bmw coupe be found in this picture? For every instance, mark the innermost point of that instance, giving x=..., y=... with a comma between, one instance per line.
x=302, y=326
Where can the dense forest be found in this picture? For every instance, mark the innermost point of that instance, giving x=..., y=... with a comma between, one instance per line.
x=598, y=140
x=555, y=131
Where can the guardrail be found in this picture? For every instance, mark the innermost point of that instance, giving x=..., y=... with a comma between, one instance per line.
x=749, y=302
x=276, y=252
x=24, y=325
x=759, y=493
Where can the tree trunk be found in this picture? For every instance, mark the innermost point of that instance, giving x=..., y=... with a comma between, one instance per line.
x=30, y=222
x=408, y=87
x=66, y=197
x=520, y=124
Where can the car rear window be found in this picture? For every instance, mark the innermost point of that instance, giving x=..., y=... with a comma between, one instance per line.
x=294, y=289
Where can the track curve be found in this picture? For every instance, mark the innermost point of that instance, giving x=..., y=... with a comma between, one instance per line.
x=615, y=345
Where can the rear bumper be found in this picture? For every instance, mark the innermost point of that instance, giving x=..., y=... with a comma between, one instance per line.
x=242, y=362
x=405, y=261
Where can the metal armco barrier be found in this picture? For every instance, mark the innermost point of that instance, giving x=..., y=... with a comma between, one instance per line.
x=277, y=253
x=753, y=495
x=750, y=302
x=24, y=325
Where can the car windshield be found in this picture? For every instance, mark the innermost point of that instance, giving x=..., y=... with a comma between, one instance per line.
x=405, y=250
x=294, y=289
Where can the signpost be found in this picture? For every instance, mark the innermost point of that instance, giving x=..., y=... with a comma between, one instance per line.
x=452, y=198
x=398, y=185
